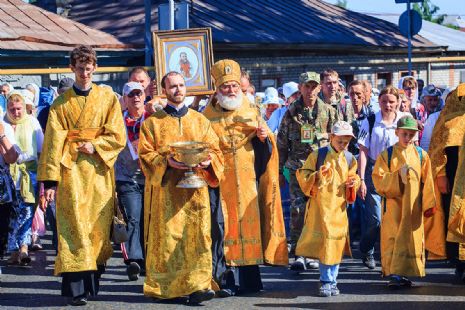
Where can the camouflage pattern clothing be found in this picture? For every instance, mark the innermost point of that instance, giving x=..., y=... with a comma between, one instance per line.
x=343, y=106
x=293, y=152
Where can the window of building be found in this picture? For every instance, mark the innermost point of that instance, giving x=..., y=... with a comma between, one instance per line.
x=269, y=82
x=405, y=73
x=383, y=79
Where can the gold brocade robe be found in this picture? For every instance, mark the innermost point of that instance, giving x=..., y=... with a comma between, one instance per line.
x=450, y=131
x=325, y=234
x=85, y=193
x=176, y=220
x=254, y=223
x=403, y=205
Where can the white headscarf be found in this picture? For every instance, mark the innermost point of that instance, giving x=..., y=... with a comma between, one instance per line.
x=36, y=93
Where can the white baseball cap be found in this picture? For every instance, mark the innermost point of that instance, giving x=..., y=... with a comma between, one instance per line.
x=130, y=86
x=272, y=97
x=290, y=88
x=341, y=128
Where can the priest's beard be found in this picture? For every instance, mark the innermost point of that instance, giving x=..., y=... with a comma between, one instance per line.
x=230, y=104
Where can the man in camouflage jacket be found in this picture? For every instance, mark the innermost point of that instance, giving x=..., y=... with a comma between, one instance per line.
x=305, y=128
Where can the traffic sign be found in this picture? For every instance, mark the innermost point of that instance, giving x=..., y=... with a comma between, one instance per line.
x=415, y=23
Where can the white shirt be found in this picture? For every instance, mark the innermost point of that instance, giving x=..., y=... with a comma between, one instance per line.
x=382, y=136
x=24, y=157
x=428, y=130
x=10, y=135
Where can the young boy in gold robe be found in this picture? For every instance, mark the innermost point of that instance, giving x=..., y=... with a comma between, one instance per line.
x=402, y=176
x=326, y=177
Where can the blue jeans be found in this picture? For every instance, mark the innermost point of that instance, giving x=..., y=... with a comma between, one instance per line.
x=328, y=273
x=371, y=214
x=21, y=224
x=131, y=199
x=50, y=213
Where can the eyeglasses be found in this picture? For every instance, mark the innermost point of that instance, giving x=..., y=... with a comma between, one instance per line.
x=133, y=94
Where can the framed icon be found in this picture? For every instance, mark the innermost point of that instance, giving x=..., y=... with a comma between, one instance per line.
x=188, y=52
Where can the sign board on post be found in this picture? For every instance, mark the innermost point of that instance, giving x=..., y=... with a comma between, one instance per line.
x=415, y=23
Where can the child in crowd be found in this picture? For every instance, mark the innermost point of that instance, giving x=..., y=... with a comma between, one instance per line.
x=328, y=177
x=402, y=176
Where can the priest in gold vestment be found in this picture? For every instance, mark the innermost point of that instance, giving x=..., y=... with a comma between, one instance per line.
x=253, y=220
x=85, y=132
x=177, y=220
x=447, y=161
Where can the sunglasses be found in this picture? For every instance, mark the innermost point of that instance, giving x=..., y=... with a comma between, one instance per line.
x=133, y=94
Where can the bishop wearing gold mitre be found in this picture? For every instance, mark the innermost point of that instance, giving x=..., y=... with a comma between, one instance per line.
x=447, y=152
x=177, y=220
x=251, y=203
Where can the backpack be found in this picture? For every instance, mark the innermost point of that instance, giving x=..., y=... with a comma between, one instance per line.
x=46, y=96
x=371, y=122
x=323, y=151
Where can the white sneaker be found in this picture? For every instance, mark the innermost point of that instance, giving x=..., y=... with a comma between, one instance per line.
x=299, y=264
x=311, y=263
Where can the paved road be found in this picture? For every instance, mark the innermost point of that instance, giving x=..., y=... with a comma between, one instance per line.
x=36, y=287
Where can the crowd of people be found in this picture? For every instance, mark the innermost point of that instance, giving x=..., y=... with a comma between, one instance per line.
x=360, y=166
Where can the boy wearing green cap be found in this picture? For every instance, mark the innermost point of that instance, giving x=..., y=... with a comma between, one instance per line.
x=402, y=176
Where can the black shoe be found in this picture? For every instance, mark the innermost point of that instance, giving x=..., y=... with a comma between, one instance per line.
x=405, y=282
x=200, y=296
x=79, y=300
x=223, y=293
x=394, y=283
x=133, y=271
x=369, y=261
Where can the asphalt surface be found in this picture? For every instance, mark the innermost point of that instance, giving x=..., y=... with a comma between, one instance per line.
x=361, y=288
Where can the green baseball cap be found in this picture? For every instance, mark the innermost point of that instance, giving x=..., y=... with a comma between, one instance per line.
x=407, y=122
x=308, y=77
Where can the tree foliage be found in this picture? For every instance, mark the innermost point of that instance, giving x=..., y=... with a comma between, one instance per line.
x=341, y=4
x=428, y=12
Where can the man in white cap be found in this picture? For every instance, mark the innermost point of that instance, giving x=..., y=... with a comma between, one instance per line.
x=130, y=180
x=291, y=92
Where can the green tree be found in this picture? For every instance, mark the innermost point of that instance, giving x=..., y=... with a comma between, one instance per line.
x=428, y=12
x=341, y=4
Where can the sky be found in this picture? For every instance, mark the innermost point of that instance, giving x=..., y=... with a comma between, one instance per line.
x=390, y=6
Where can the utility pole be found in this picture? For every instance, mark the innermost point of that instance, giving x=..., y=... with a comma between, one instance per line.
x=148, y=33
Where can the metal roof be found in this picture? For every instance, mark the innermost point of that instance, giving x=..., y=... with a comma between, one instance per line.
x=439, y=35
x=310, y=23
x=29, y=28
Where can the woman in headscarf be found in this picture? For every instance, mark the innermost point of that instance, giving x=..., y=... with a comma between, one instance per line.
x=29, y=137
x=8, y=155
x=35, y=90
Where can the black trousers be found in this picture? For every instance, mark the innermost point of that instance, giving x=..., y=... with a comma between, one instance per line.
x=76, y=284
x=452, y=153
x=217, y=235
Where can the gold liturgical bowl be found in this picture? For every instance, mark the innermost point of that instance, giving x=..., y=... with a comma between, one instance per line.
x=190, y=153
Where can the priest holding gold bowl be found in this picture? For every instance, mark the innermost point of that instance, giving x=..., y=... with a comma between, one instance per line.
x=177, y=219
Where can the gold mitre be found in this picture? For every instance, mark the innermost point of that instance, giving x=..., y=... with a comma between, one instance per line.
x=226, y=70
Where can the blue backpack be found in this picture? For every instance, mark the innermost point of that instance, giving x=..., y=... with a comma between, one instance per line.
x=322, y=155
x=46, y=96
